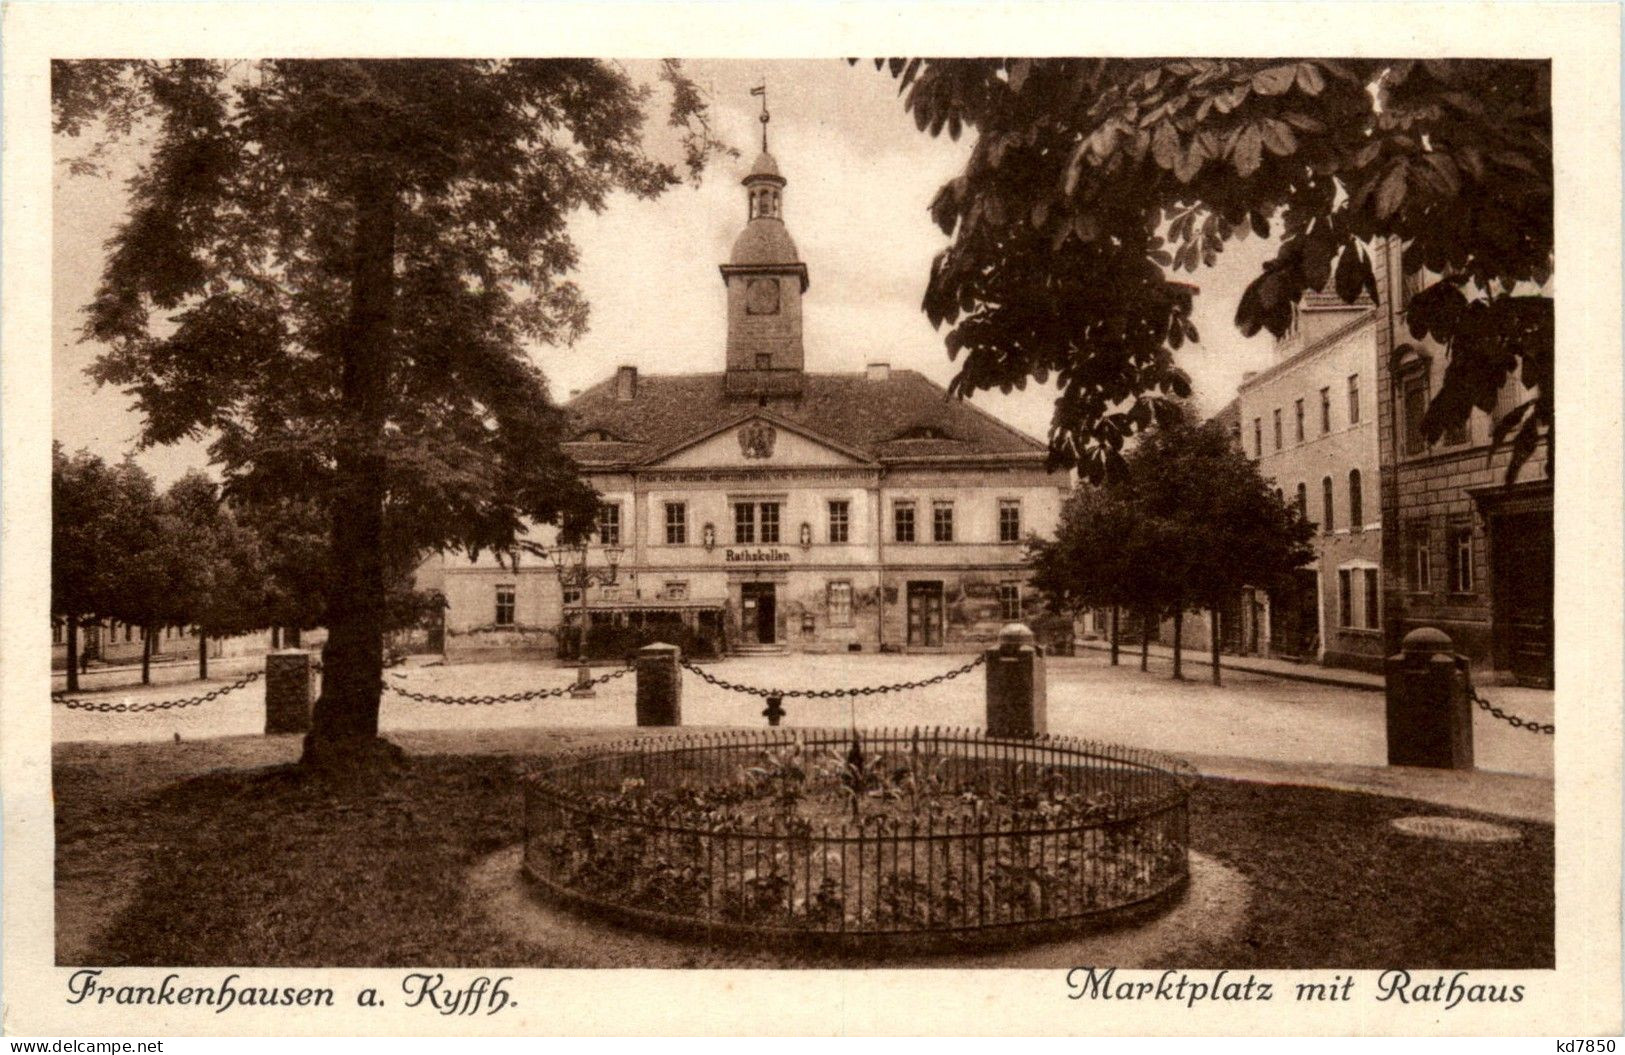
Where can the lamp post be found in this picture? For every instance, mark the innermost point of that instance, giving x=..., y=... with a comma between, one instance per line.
x=570, y=563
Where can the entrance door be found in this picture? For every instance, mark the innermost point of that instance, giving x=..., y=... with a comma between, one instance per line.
x=1295, y=617
x=925, y=614
x=760, y=616
x=1523, y=595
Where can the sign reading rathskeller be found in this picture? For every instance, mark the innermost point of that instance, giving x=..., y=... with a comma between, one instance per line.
x=756, y=556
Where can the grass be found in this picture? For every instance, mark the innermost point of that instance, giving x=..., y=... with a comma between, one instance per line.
x=159, y=863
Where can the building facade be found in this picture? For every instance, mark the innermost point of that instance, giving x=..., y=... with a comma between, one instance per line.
x=1310, y=421
x=1465, y=550
x=763, y=507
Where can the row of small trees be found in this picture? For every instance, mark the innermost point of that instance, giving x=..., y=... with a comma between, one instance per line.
x=186, y=557
x=1187, y=526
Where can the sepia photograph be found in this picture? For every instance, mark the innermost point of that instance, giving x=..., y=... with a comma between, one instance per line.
x=1091, y=514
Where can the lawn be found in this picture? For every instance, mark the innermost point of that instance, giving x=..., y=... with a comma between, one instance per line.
x=201, y=853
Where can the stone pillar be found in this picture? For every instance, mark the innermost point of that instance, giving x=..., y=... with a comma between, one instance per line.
x=1015, y=685
x=287, y=691
x=660, y=685
x=1430, y=718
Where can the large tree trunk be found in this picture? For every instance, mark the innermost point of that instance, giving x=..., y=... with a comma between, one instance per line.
x=344, y=726
x=1179, y=624
x=276, y=637
x=202, y=655
x=146, y=655
x=1213, y=630
x=1114, y=635
x=73, y=654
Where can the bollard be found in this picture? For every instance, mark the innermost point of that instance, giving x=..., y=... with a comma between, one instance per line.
x=660, y=685
x=287, y=691
x=1015, y=685
x=774, y=712
x=1430, y=718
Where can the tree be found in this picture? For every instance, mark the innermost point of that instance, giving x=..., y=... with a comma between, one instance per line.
x=224, y=568
x=84, y=544
x=1221, y=525
x=1189, y=523
x=146, y=578
x=1092, y=179
x=345, y=259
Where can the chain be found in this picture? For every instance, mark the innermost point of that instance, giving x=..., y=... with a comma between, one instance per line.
x=831, y=694
x=1511, y=719
x=104, y=707
x=512, y=697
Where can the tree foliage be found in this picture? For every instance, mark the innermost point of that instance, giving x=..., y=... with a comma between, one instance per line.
x=1092, y=181
x=332, y=268
x=1188, y=525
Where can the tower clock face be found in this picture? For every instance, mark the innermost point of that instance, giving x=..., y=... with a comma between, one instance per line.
x=762, y=296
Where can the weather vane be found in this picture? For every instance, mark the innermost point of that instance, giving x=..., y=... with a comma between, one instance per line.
x=761, y=90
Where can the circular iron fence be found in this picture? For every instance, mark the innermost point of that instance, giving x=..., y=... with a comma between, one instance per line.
x=860, y=839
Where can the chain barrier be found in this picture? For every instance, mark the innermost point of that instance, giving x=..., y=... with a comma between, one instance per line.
x=831, y=694
x=511, y=697
x=106, y=707
x=1511, y=719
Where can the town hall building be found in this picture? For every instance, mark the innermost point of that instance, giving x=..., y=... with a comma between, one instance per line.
x=763, y=507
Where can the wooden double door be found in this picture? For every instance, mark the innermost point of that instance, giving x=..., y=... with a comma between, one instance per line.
x=759, y=613
x=924, y=614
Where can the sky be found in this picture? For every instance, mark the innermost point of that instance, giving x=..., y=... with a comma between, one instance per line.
x=860, y=178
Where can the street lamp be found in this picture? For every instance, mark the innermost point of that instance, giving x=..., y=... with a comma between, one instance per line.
x=570, y=564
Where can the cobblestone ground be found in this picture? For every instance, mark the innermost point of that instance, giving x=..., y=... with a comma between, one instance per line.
x=1251, y=716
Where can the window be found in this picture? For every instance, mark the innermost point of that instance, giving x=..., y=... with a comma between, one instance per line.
x=676, y=591
x=609, y=524
x=1277, y=428
x=744, y=522
x=1010, y=601
x=1421, y=559
x=840, y=520
x=902, y=515
x=1359, y=602
x=1354, y=399
x=1258, y=437
x=838, y=598
x=1325, y=411
x=505, y=595
x=770, y=521
x=1297, y=414
x=1328, y=520
x=1356, y=502
x=1009, y=520
x=56, y=633
x=1413, y=397
x=942, y=521
x=1303, y=501
x=1461, y=560
x=571, y=596
x=676, y=523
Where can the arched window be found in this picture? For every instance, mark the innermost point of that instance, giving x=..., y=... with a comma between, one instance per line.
x=1328, y=520
x=1303, y=501
x=1356, y=513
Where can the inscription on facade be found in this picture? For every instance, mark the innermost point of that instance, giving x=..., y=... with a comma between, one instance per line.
x=756, y=556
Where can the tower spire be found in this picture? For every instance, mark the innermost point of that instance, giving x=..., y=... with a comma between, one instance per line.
x=761, y=90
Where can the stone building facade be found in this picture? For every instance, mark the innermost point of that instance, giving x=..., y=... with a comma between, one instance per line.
x=764, y=507
x=1464, y=550
x=1310, y=420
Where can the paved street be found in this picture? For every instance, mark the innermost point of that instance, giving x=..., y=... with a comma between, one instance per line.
x=1251, y=717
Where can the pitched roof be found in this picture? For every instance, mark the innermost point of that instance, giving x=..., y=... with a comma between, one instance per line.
x=901, y=418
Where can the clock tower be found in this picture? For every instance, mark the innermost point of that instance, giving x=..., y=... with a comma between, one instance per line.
x=765, y=279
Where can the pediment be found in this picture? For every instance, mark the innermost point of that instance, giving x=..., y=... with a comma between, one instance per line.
x=755, y=441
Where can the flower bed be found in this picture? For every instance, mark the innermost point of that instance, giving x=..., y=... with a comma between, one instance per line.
x=858, y=837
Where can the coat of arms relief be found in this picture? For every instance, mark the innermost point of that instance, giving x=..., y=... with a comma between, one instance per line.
x=756, y=440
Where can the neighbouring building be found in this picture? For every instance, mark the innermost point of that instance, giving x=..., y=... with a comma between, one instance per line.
x=1310, y=421
x=1464, y=550
x=765, y=507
